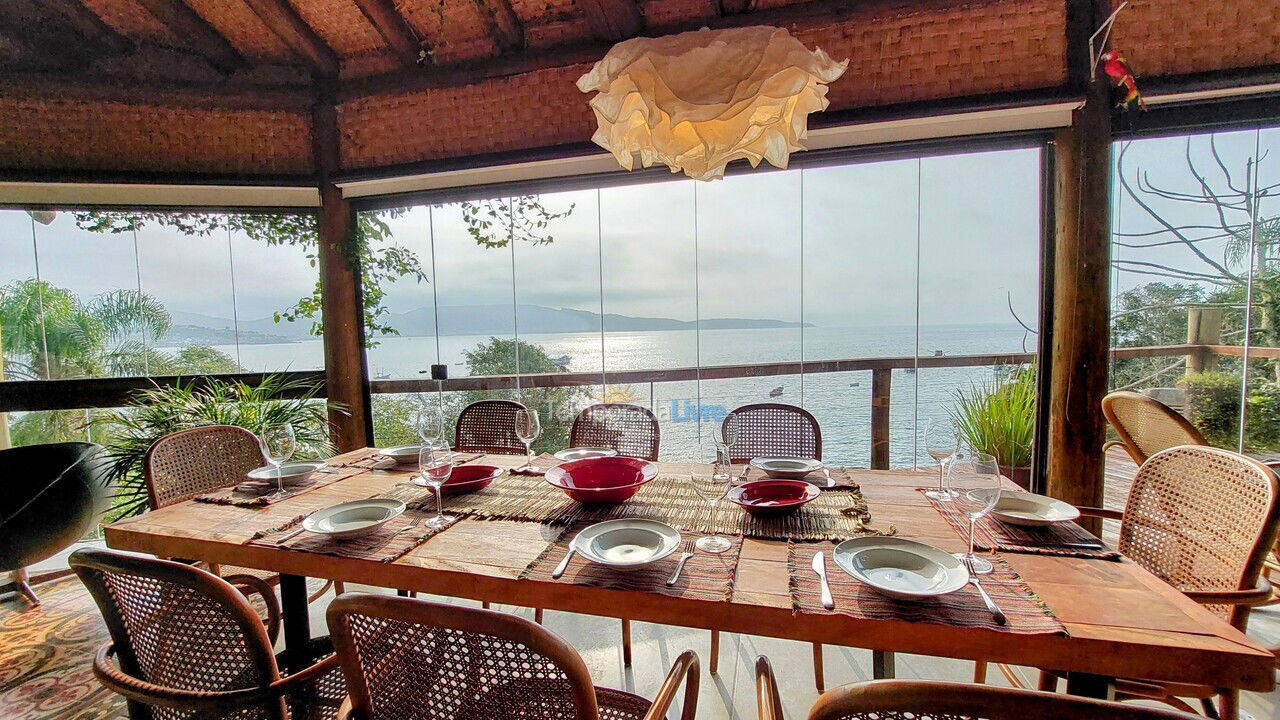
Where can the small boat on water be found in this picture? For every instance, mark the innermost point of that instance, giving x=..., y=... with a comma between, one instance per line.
x=776, y=391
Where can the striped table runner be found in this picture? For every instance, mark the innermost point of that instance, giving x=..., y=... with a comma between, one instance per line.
x=257, y=493
x=1052, y=540
x=1027, y=613
x=389, y=543
x=705, y=576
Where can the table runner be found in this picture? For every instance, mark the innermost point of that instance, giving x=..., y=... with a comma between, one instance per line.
x=372, y=459
x=391, y=541
x=706, y=576
x=257, y=493
x=834, y=515
x=992, y=534
x=1027, y=614
x=841, y=477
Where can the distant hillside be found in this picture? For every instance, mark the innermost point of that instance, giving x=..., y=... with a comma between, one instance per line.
x=454, y=320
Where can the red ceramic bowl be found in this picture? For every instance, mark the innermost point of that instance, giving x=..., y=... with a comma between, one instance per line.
x=470, y=478
x=602, y=480
x=767, y=497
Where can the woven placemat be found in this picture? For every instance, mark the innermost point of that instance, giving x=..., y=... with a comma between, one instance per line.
x=841, y=478
x=668, y=498
x=391, y=542
x=706, y=576
x=1027, y=614
x=258, y=493
x=992, y=534
x=371, y=459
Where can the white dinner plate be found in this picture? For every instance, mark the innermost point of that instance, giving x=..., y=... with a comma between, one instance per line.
x=570, y=454
x=901, y=568
x=627, y=543
x=787, y=468
x=403, y=454
x=354, y=519
x=1024, y=508
x=291, y=473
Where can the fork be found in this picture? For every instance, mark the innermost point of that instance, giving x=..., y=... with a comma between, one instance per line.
x=409, y=527
x=686, y=552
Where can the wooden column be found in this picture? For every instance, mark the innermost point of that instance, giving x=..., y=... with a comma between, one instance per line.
x=346, y=375
x=1204, y=327
x=1081, y=280
x=881, y=384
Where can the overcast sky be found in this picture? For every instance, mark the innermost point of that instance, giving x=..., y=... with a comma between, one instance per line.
x=834, y=246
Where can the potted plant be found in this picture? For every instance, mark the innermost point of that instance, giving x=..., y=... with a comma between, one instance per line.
x=998, y=418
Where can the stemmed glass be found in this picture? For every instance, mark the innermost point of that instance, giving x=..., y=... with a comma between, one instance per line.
x=278, y=444
x=942, y=443
x=723, y=435
x=435, y=465
x=977, y=489
x=528, y=428
x=712, y=490
x=430, y=428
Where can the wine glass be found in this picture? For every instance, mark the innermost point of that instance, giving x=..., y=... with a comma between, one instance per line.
x=528, y=428
x=977, y=489
x=430, y=427
x=278, y=444
x=941, y=442
x=435, y=465
x=712, y=491
x=722, y=438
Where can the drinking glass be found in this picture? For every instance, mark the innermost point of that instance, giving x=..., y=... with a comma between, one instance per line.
x=430, y=427
x=712, y=491
x=435, y=465
x=278, y=444
x=722, y=440
x=976, y=484
x=528, y=428
x=941, y=442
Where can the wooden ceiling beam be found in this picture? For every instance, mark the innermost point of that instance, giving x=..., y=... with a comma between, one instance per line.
x=393, y=28
x=96, y=32
x=195, y=30
x=612, y=20
x=504, y=25
x=97, y=89
x=280, y=17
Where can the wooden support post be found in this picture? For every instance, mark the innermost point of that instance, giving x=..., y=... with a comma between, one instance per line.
x=1081, y=279
x=881, y=383
x=346, y=375
x=1204, y=327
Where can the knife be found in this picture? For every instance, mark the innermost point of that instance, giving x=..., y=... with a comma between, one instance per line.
x=820, y=567
x=1080, y=545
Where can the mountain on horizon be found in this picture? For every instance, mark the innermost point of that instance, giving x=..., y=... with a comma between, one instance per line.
x=456, y=320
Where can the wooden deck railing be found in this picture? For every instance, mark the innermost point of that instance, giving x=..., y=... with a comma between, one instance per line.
x=22, y=396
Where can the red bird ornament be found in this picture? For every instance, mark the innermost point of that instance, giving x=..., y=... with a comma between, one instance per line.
x=1117, y=68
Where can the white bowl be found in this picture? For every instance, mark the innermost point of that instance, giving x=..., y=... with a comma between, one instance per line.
x=1024, y=508
x=291, y=473
x=403, y=454
x=787, y=468
x=901, y=568
x=627, y=543
x=354, y=519
x=570, y=454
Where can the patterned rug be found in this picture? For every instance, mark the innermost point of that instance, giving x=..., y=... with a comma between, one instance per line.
x=46, y=657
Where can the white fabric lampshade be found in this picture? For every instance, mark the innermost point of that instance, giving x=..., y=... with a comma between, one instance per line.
x=699, y=100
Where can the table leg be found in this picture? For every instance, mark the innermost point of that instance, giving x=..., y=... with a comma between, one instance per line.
x=297, y=621
x=1088, y=685
x=882, y=665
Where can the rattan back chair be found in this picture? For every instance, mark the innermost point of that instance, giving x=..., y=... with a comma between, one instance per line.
x=187, y=644
x=1146, y=426
x=920, y=699
x=774, y=430
x=187, y=463
x=632, y=430
x=489, y=426
x=410, y=658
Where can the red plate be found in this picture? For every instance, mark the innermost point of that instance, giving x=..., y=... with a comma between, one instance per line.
x=766, y=497
x=602, y=480
x=470, y=478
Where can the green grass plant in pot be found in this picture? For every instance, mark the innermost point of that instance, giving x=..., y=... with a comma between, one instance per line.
x=997, y=417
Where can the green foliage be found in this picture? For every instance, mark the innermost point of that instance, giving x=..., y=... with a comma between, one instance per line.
x=495, y=223
x=557, y=406
x=200, y=360
x=155, y=413
x=394, y=420
x=998, y=417
x=1213, y=406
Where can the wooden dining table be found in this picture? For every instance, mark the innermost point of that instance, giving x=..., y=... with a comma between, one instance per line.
x=1120, y=620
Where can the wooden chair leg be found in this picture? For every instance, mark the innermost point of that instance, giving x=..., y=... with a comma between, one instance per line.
x=1048, y=682
x=1210, y=707
x=714, y=664
x=319, y=593
x=1229, y=705
x=818, y=680
x=21, y=579
x=537, y=615
x=626, y=643
x=485, y=604
x=339, y=587
x=980, y=672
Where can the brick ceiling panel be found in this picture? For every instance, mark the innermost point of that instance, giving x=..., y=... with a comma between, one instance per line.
x=244, y=30
x=341, y=25
x=455, y=30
